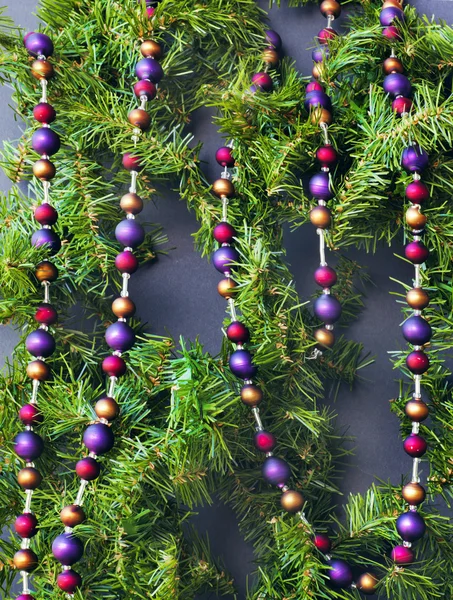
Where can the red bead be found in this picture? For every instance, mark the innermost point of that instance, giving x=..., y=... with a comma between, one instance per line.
x=224, y=233
x=45, y=214
x=126, y=262
x=88, y=468
x=416, y=252
x=145, y=88
x=263, y=81
x=131, y=162
x=237, y=332
x=325, y=276
x=46, y=314
x=402, y=105
x=314, y=86
x=25, y=525
x=417, y=192
x=322, y=542
x=415, y=445
x=327, y=156
x=326, y=35
x=391, y=33
x=69, y=581
x=264, y=441
x=29, y=415
x=417, y=362
x=44, y=113
x=224, y=157
x=402, y=555
x=114, y=366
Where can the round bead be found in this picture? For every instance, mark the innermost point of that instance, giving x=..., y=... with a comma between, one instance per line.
x=319, y=54
x=326, y=35
x=223, y=187
x=322, y=542
x=44, y=113
x=114, y=366
x=151, y=49
x=263, y=81
x=340, y=574
x=46, y=314
x=131, y=203
x=413, y=493
x=312, y=86
x=126, y=262
x=415, y=219
x=330, y=7
x=67, y=549
x=107, y=408
x=150, y=10
x=28, y=445
x=25, y=597
x=68, y=581
x=225, y=287
x=139, y=118
x=25, y=560
x=417, y=331
x=29, y=478
x=241, y=364
x=417, y=362
x=38, y=43
x=98, y=438
x=391, y=33
x=251, y=395
x=402, y=555
x=276, y=471
x=123, y=307
x=29, y=414
x=319, y=186
x=46, y=271
x=417, y=192
x=391, y=14
x=42, y=69
x=47, y=238
x=45, y=214
x=411, y=526
x=129, y=233
x=402, y=105
x=26, y=525
x=120, y=336
x=327, y=308
x=397, y=84
x=414, y=158
x=273, y=39
x=395, y=3
x=148, y=68
x=416, y=252
x=264, y=441
x=224, y=233
x=367, y=583
x=320, y=216
x=321, y=115
x=416, y=410
x=44, y=169
x=392, y=65
x=316, y=99
x=223, y=258
x=327, y=156
x=131, y=162
x=324, y=337
x=271, y=57
x=40, y=343
x=237, y=333
x=224, y=156
x=415, y=445
x=292, y=501
x=72, y=515
x=325, y=276
x=88, y=468
x=145, y=88
x=45, y=141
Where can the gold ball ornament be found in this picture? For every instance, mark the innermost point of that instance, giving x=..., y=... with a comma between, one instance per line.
x=417, y=298
x=415, y=219
x=271, y=57
x=416, y=410
x=72, y=515
x=317, y=70
x=25, y=560
x=321, y=115
x=131, y=203
x=392, y=65
x=251, y=395
x=107, y=408
x=123, y=307
x=139, y=118
x=42, y=69
x=392, y=3
x=150, y=48
x=413, y=493
x=324, y=337
x=321, y=217
x=44, y=169
x=38, y=369
x=330, y=7
x=292, y=501
x=29, y=478
x=225, y=287
x=46, y=271
x=223, y=187
x=367, y=583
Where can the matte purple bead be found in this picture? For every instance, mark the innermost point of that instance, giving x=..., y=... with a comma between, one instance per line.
x=397, y=84
x=320, y=186
x=67, y=549
x=273, y=39
x=316, y=99
x=411, y=526
x=149, y=68
x=320, y=53
x=276, y=471
x=389, y=15
x=241, y=364
x=40, y=343
x=47, y=238
x=223, y=257
x=120, y=336
x=414, y=159
x=45, y=141
x=98, y=438
x=327, y=308
x=28, y=445
x=417, y=331
x=38, y=43
x=340, y=574
x=130, y=233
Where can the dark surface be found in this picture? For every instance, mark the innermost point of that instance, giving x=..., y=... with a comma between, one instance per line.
x=161, y=294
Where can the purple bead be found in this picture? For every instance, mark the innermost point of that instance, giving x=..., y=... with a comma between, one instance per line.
x=340, y=574
x=390, y=14
x=28, y=445
x=317, y=99
x=40, y=343
x=149, y=68
x=327, y=308
x=223, y=257
x=397, y=84
x=47, y=238
x=414, y=159
x=276, y=471
x=45, y=141
x=241, y=364
x=320, y=186
x=130, y=233
x=417, y=330
x=38, y=43
x=98, y=438
x=120, y=336
x=67, y=549
x=273, y=39
x=320, y=53
x=411, y=526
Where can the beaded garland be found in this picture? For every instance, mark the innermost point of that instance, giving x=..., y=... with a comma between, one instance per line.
x=28, y=445
x=416, y=330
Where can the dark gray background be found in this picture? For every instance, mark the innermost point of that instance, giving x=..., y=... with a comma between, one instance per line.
x=161, y=294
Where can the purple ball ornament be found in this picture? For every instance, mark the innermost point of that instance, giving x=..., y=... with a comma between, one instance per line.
x=390, y=14
x=411, y=526
x=47, y=238
x=340, y=574
x=263, y=81
x=276, y=471
x=319, y=186
x=241, y=364
x=320, y=53
x=149, y=68
x=120, y=336
x=317, y=99
x=327, y=308
x=223, y=257
x=130, y=233
x=38, y=43
x=273, y=39
x=414, y=159
x=224, y=157
x=67, y=549
x=40, y=343
x=28, y=445
x=417, y=331
x=98, y=438
x=45, y=141
x=397, y=84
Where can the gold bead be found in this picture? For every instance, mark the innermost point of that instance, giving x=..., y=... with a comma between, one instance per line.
x=29, y=478
x=271, y=57
x=392, y=3
x=131, y=203
x=321, y=217
x=123, y=307
x=416, y=410
x=317, y=70
x=46, y=271
x=72, y=515
x=330, y=7
x=223, y=187
x=417, y=298
x=38, y=369
x=415, y=219
x=292, y=501
x=392, y=65
x=413, y=493
x=107, y=408
x=367, y=583
x=150, y=48
x=225, y=287
x=325, y=338
x=42, y=69
x=139, y=118
x=44, y=169
x=25, y=560
x=321, y=115
x=251, y=394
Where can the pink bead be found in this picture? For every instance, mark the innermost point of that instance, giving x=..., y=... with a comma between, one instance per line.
x=322, y=542
x=224, y=157
x=325, y=276
x=46, y=314
x=264, y=441
x=237, y=333
x=25, y=596
x=145, y=88
x=88, y=468
x=417, y=192
x=415, y=445
x=44, y=113
x=25, y=525
x=326, y=34
x=131, y=162
x=327, y=156
x=45, y=214
x=417, y=362
x=314, y=86
x=150, y=11
x=263, y=81
x=126, y=262
x=29, y=415
x=402, y=105
x=224, y=233
x=114, y=366
x=416, y=252
x=69, y=581
x=391, y=33
x=402, y=555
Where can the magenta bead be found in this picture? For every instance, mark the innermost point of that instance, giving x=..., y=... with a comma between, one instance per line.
x=67, y=549
x=263, y=81
x=45, y=214
x=38, y=43
x=45, y=141
x=241, y=364
x=326, y=35
x=69, y=581
x=402, y=555
x=26, y=525
x=390, y=14
x=224, y=233
x=276, y=471
x=126, y=262
x=325, y=276
x=223, y=258
x=145, y=88
x=131, y=162
x=114, y=366
x=25, y=597
x=273, y=39
x=314, y=86
x=46, y=314
x=130, y=233
x=44, y=113
x=402, y=105
x=149, y=68
x=391, y=33
x=327, y=308
x=29, y=414
x=415, y=445
x=411, y=526
x=319, y=186
x=46, y=238
x=28, y=445
x=150, y=10
x=264, y=441
x=88, y=468
x=417, y=192
x=98, y=438
x=397, y=84
x=327, y=156
x=322, y=542
x=224, y=156
x=414, y=159
x=40, y=343
x=340, y=574
x=417, y=362
x=416, y=252
x=237, y=333
x=120, y=336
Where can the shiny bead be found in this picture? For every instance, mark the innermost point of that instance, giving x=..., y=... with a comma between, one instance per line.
x=330, y=7
x=340, y=574
x=30, y=414
x=45, y=214
x=145, y=88
x=131, y=203
x=123, y=307
x=271, y=57
x=44, y=113
x=327, y=156
x=264, y=441
x=29, y=478
x=416, y=330
x=223, y=187
x=397, y=84
x=38, y=43
x=326, y=35
x=46, y=314
x=391, y=33
x=325, y=276
x=98, y=438
x=72, y=515
x=402, y=555
x=313, y=86
x=26, y=525
x=126, y=262
x=392, y=65
x=148, y=68
x=416, y=410
x=402, y=105
x=320, y=216
x=139, y=118
x=414, y=159
x=25, y=597
x=292, y=501
x=225, y=287
x=411, y=526
x=42, y=69
x=317, y=74
x=67, y=549
x=46, y=271
x=44, y=169
x=391, y=14
x=114, y=366
x=131, y=162
x=40, y=343
x=327, y=308
x=130, y=233
x=224, y=156
x=241, y=364
x=224, y=258
x=319, y=54
x=273, y=39
x=394, y=3
x=224, y=233
x=324, y=337
x=416, y=252
x=415, y=219
x=417, y=298
x=417, y=192
x=28, y=445
x=88, y=468
x=107, y=408
x=120, y=336
x=251, y=395
x=322, y=542
x=413, y=493
x=315, y=99
x=25, y=560
x=237, y=333
x=38, y=369
x=276, y=471
x=319, y=186
x=152, y=49
x=321, y=115
x=415, y=445
x=417, y=362
x=367, y=583
x=68, y=581
x=46, y=238
x=45, y=141
x=263, y=81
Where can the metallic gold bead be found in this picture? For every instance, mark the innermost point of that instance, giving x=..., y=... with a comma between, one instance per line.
x=416, y=410
x=25, y=560
x=150, y=48
x=413, y=493
x=324, y=337
x=392, y=65
x=417, y=298
x=271, y=57
x=321, y=217
x=330, y=7
x=107, y=408
x=251, y=394
x=392, y=3
x=123, y=307
x=317, y=70
x=42, y=69
x=72, y=515
x=292, y=501
x=223, y=187
x=38, y=369
x=44, y=169
x=139, y=118
x=367, y=583
x=131, y=203
x=225, y=287
x=29, y=478
x=415, y=219
x=46, y=271
x=321, y=115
